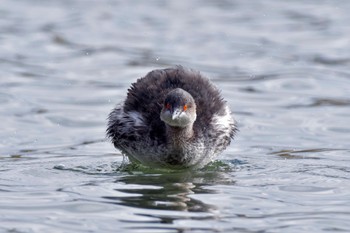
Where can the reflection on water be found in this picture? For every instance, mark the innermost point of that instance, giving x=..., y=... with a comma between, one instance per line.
x=170, y=191
x=171, y=196
x=282, y=66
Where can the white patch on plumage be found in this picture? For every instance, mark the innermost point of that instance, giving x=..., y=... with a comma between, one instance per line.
x=224, y=122
x=224, y=126
x=130, y=120
x=136, y=117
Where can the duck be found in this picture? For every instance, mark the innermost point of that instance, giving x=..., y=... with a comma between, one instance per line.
x=172, y=118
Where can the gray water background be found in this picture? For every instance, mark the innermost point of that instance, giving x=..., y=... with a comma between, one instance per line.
x=283, y=67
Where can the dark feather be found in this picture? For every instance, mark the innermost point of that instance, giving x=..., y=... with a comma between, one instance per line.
x=147, y=95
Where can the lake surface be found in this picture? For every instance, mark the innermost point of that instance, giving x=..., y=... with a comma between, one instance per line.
x=284, y=68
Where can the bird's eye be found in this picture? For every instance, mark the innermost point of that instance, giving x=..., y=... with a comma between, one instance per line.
x=167, y=106
x=185, y=107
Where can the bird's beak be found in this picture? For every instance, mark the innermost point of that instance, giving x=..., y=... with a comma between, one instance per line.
x=176, y=114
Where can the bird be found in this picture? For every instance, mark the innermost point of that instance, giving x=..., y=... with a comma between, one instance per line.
x=172, y=118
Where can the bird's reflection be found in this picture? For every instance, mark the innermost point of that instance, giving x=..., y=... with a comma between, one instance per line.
x=170, y=190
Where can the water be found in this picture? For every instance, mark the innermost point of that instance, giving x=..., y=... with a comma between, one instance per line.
x=283, y=67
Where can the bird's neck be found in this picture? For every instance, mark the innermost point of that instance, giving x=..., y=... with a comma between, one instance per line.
x=178, y=136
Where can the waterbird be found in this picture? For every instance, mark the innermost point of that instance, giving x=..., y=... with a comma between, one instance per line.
x=172, y=118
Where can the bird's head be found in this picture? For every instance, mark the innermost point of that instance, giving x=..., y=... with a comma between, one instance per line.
x=179, y=109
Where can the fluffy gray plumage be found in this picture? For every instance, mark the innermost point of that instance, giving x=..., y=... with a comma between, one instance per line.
x=136, y=128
